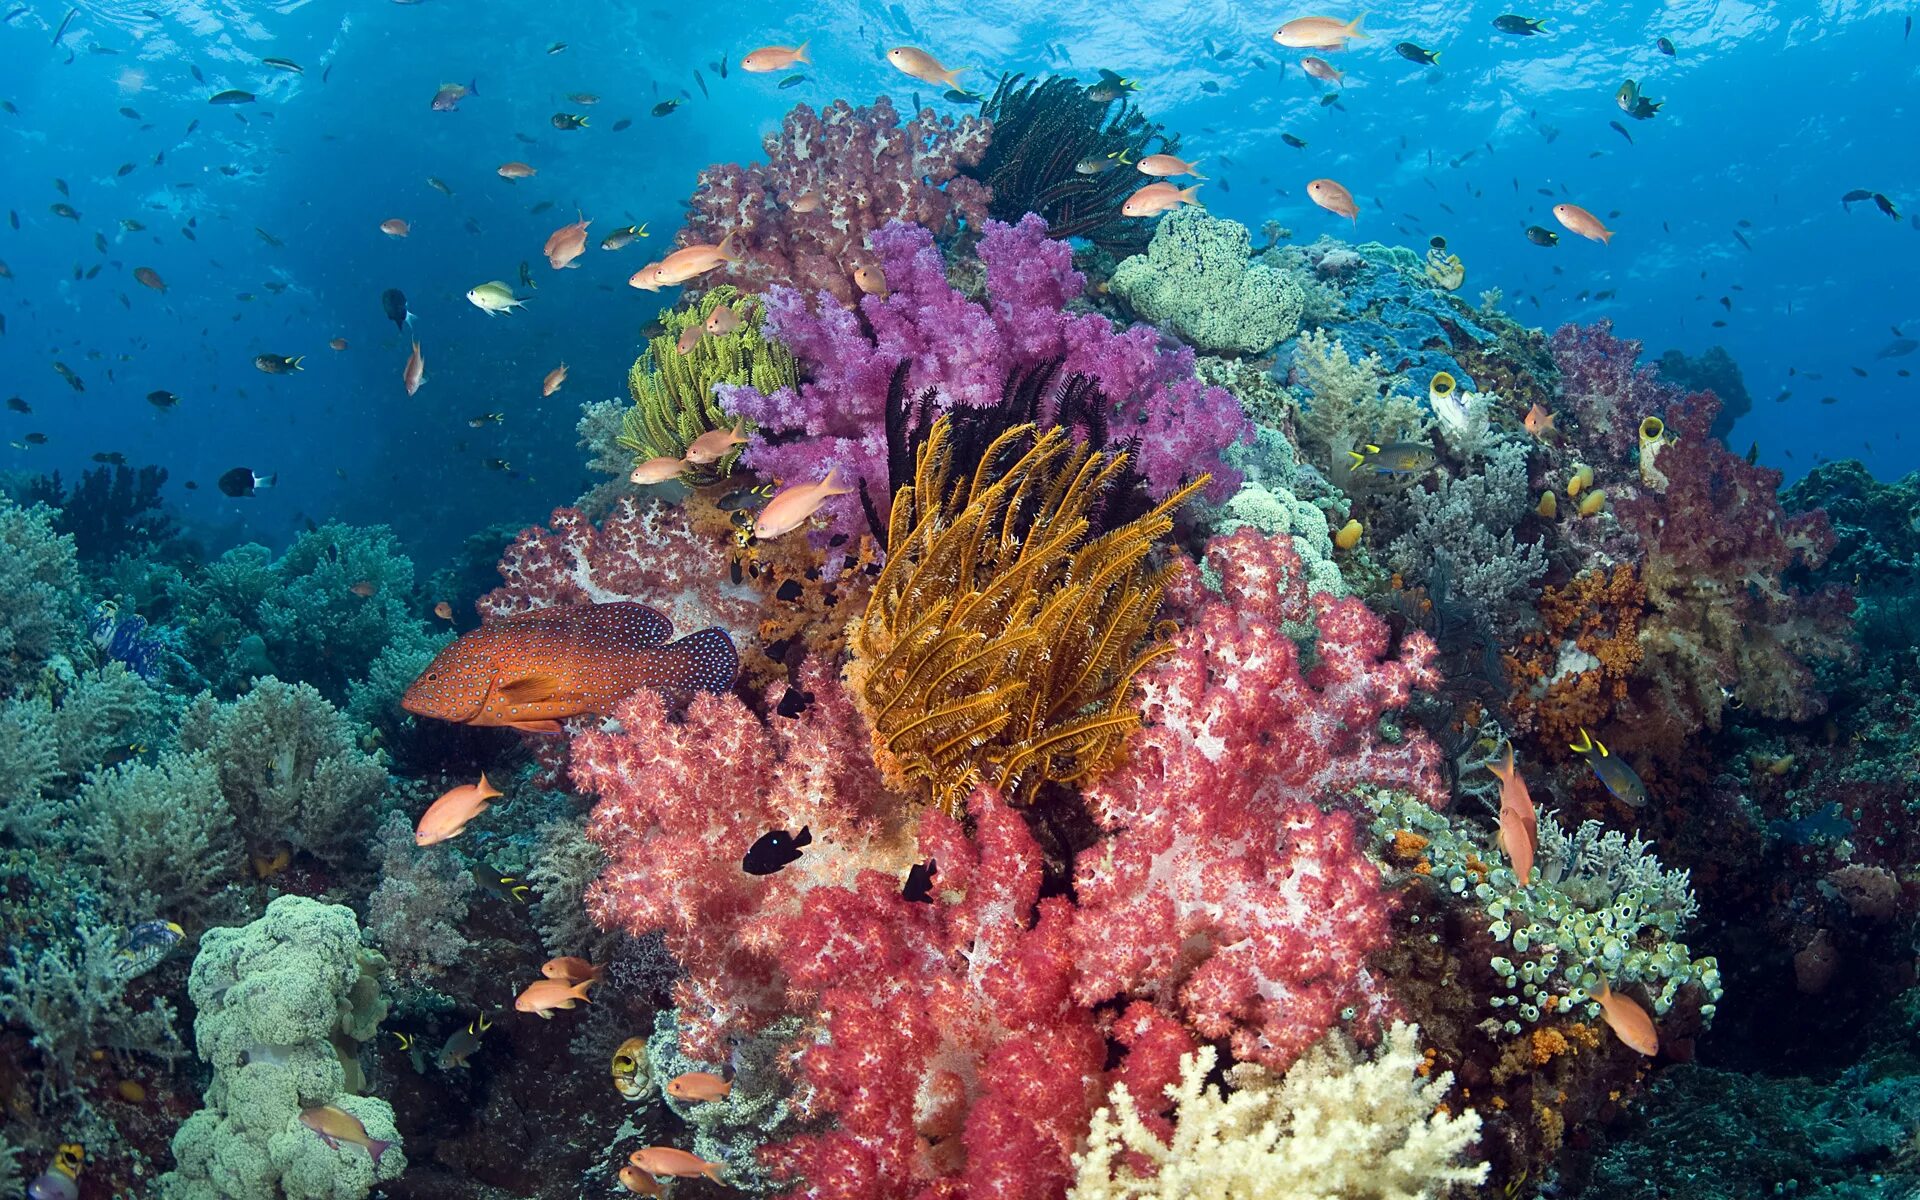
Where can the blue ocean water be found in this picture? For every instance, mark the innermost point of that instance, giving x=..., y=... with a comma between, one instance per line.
x=1769, y=114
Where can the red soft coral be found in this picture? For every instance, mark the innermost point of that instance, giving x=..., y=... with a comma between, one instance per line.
x=952, y=1054
x=680, y=803
x=863, y=166
x=1226, y=894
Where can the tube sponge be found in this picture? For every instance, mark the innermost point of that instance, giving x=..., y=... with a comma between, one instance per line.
x=273, y=997
x=1196, y=279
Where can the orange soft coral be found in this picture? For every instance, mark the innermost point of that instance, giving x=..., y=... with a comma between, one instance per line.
x=1575, y=671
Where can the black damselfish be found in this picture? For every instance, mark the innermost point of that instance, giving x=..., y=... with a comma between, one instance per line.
x=774, y=849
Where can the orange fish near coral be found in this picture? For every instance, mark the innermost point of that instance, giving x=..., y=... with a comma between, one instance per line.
x=1629, y=1022
x=658, y=470
x=924, y=67
x=443, y=610
x=567, y=243
x=534, y=670
x=774, y=58
x=337, y=1127
x=791, y=507
x=1539, y=422
x=542, y=996
x=665, y=1160
x=712, y=446
x=1519, y=824
x=686, y=263
x=1334, y=198
x=699, y=1085
x=1161, y=165
x=1158, y=198
x=871, y=280
x=447, y=817
x=639, y=1182
x=573, y=970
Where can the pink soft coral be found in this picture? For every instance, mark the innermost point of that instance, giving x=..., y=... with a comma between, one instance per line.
x=644, y=552
x=1226, y=894
x=680, y=803
x=952, y=1055
x=864, y=167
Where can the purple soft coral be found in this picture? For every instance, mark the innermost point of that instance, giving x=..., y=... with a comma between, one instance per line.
x=966, y=353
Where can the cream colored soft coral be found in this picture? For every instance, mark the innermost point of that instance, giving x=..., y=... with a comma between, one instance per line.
x=1339, y=1126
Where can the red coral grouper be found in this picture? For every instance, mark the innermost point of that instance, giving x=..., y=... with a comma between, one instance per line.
x=532, y=670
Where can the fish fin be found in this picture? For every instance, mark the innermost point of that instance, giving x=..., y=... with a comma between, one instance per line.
x=725, y=248
x=1504, y=770
x=296, y=361
x=712, y=1171
x=1584, y=744
x=1601, y=747
x=536, y=726
x=1357, y=457
x=1187, y=195
x=529, y=689
x=830, y=488
x=712, y=660
x=376, y=1147
x=487, y=790
x=1353, y=28
x=804, y=837
x=473, y=86
x=953, y=78
x=1193, y=170
x=800, y=54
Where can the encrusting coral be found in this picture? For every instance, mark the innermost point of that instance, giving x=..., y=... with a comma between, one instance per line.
x=1196, y=279
x=1000, y=643
x=673, y=389
x=1337, y=1126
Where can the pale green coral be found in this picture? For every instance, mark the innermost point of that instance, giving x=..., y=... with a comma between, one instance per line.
x=756, y=1110
x=1338, y=1126
x=1347, y=405
x=1195, y=278
x=289, y=768
x=40, y=578
x=1600, y=907
x=275, y=998
x=159, y=837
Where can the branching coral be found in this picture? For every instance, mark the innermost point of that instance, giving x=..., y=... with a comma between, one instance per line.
x=862, y=168
x=289, y=767
x=1226, y=894
x=680, y=802
x=1042, y=131
x=40, y=577
x=673, y=391
x=951, y=1056
x=1000, y=644
x=1196, y=279
x=113, y=510
x=1469, y=520
x=967, y=353
x=159, y=837
x=1347, y=405
x=1338, y=1126
x=415, y=912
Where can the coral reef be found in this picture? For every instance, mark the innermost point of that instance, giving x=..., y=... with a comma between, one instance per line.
x=40, y=576
x=283, y=1002
x=416, y=911
x=861, y=168
x=673, y=389
x=1712, y=370
x=1043, y=129
x=1219, y=798
x=289, y=767
x=1195, y=278
x=1336, y=1124
x=1467, y=521
x=113, y=510
x=159, y=837
x=967, y=353
x=1000, y=643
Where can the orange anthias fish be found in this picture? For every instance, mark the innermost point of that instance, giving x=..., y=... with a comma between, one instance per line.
x=1519, y=824
x=1322, y=70
x=573, y=970
x=447, y=817
x=1539, y=422
x=658, y=470
x=1158, y=198
x=639, y=1182
x=337, y=1126
x=684, y=264
x=1629, y=1022
x=415, y=373
x=1161, y=165
x=774, y=58
x=1582, y=222
x=665, y=1160
x=791, y=507
x=532, y=671
x=923, y=66
x=394, y=227
x=567, y=243
x=712, y=446
x=542, y=996
x=699, y=1085
x=516, y=170
x=554, y=379
x=1331, y=196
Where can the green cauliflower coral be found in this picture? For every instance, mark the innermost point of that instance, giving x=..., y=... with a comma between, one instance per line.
x=281, y=1003
x=1195, y=278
